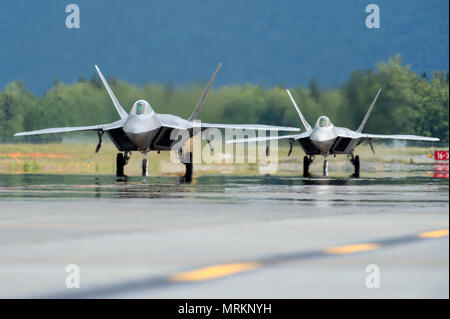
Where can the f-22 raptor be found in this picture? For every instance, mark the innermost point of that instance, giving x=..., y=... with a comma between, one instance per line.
x=326, y=139
x=145, y=130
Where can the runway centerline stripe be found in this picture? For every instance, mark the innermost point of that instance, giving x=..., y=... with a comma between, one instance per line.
x=434, y=234
x=224, y=270
x=215, y=271
x=349, y=249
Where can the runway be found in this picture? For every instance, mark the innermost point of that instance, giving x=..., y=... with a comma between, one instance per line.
x=224, y=236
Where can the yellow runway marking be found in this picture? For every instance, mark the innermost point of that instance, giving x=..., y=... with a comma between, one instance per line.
x=351, y=248
x=212, y=272
x=224, y=270
x=434, y=233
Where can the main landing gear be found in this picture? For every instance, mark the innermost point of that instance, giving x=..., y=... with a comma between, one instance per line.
x=187, y=160
x=189, y=168
x=121, y=161
x=307, y=161
x=356, y=165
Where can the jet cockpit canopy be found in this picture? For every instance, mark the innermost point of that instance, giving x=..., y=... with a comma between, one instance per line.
x=323, y=121
x=141, y=107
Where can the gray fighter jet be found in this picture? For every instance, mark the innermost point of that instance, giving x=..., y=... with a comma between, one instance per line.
x=326, y=139
x=145, y=130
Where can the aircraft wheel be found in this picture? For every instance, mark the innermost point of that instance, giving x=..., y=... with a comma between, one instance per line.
x=357, y=166
x=306, y=164
x=325, y=168
x=144, y=167
x=189, y=168
x=120, y=163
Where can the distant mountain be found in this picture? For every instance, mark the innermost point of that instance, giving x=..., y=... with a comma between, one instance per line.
x=180, y=41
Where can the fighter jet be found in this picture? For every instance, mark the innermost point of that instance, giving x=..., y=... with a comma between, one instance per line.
x=144, y=130
x=326, y=139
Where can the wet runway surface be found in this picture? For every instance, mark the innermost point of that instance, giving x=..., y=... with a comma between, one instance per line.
x=223, y=236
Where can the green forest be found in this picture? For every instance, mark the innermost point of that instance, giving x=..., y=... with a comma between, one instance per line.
x=409, y=103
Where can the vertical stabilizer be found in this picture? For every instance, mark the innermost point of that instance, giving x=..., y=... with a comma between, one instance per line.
x=203, y=97
x=363, y=123
x=302, y=118
x=122, y=113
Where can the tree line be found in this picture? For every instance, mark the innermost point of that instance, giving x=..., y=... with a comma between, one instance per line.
x=409, y=103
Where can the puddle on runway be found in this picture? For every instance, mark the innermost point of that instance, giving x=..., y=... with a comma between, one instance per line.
x=419, y=190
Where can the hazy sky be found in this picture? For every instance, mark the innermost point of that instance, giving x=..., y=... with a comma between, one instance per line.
x=181, y=41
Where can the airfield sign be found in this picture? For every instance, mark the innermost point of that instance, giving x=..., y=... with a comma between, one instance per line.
x=441, y=169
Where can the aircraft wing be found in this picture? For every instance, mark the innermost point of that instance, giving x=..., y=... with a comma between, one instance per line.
x=258, y=127
x=302, y=138
x=346, y=133
x=347, y=139
x=101, y=127
x=169, y=123
x=268, y=138
x=174, y=122
x=399, y=137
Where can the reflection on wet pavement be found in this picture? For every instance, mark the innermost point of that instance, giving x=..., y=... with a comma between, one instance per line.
x=232, y=189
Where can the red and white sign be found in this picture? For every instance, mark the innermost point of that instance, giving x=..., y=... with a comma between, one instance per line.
x=440, y=175
x=441, y=155
x=440, y=168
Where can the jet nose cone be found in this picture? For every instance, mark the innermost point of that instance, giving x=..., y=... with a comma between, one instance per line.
x=141, y=131
x=320, y=137
x=323, y=146
x=322, y=140
x=141, y=140
x=141, y=124
x=135, y=127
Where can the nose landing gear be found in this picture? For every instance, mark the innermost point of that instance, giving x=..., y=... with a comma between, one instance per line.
x=144, y=165
x=325, y=167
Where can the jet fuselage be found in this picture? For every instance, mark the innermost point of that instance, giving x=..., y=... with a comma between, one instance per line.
x=142, y=129
x=323, y=135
